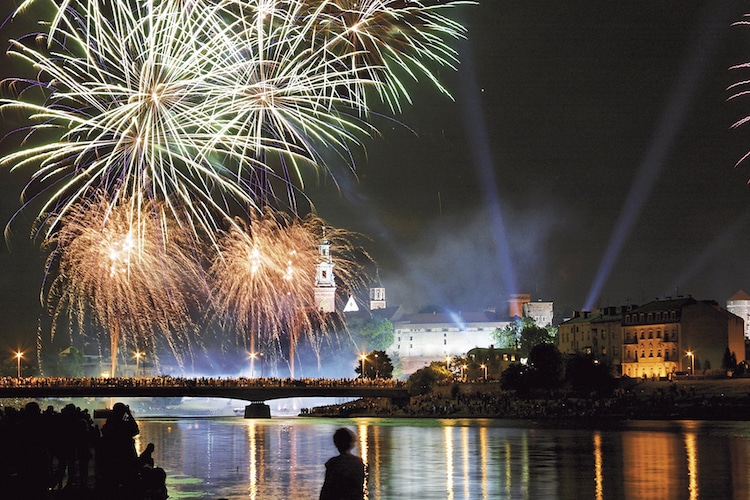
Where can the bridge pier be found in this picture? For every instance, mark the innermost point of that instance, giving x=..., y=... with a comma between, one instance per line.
x=257, y=409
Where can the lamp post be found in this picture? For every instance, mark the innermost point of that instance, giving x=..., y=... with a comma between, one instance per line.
x=377, y=367
x=692, y=362
x=363, y=357
x=19, y=355
x=484, y=367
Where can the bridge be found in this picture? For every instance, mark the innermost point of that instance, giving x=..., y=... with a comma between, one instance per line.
x=252, y=390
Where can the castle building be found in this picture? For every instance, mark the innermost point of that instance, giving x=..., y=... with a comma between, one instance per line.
x=739, y=305
x=425, y=337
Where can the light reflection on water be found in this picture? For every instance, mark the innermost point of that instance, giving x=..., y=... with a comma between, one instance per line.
x=454, y=459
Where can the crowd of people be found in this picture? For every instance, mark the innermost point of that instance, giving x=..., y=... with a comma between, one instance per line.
x=50, y=454
x=169, y=381
x=667, y=400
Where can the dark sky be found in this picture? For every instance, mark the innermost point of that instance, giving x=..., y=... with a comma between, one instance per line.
x=571, y=121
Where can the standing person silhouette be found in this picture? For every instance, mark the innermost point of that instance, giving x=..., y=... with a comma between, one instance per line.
x=345, y=473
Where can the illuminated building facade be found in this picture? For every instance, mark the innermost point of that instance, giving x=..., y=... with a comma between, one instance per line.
x=422, y=338
x=674, y=335
x=541, y=312
x=739, y=305
x=596, y=333
x=425, y=337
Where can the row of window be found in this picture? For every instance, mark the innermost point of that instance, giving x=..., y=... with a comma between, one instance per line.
x=651, y=317
x=633, y=354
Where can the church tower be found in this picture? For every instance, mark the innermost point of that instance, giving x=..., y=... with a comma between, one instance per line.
x=325, y=283
x=377, y=294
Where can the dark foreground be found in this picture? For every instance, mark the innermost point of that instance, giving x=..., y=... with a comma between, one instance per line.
x=57, y=455
x=717, y=399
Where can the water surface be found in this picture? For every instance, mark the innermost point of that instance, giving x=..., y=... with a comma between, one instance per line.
x=282, y=458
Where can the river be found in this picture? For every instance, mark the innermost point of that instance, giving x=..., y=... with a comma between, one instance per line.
x=282, y=458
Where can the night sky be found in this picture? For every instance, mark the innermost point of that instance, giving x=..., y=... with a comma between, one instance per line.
x=570, y=121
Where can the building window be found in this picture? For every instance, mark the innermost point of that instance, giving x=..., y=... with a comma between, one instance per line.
x=658, y=334
x=650, y=334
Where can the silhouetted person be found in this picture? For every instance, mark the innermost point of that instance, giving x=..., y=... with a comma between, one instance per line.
x=30, y=450
x=119, y=459
x=345, y=473
x=146, y=458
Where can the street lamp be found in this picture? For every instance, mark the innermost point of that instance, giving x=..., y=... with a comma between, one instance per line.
x=377, y=367
x=363, y=357
x=484, y=367
x=138, y=355
x=692, y=362
x=19, y=355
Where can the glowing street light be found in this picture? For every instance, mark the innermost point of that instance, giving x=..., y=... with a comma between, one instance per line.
x=138, y=355
x=692, y=362
x=484, y=367
x=363, y=357
x=19, y=355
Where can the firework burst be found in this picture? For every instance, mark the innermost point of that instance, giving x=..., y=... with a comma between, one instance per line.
x=193, y=103
x=264, y=278
x=121, y=270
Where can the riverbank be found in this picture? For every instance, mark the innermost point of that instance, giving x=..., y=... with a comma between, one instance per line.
x=695, y=399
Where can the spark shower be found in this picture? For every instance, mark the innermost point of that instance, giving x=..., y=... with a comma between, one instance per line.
x=179, y=124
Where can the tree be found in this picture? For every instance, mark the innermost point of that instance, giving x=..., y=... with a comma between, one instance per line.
x=523, y=334
x=371, y=332
x=729, y=360
x=515, y=377
x=377, y=364
x=547, y=365
x=423, y=380
x=532, y=336
x=509, y=336
x=586, y=375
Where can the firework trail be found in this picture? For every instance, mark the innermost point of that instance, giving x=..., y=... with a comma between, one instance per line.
x=121, y=270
